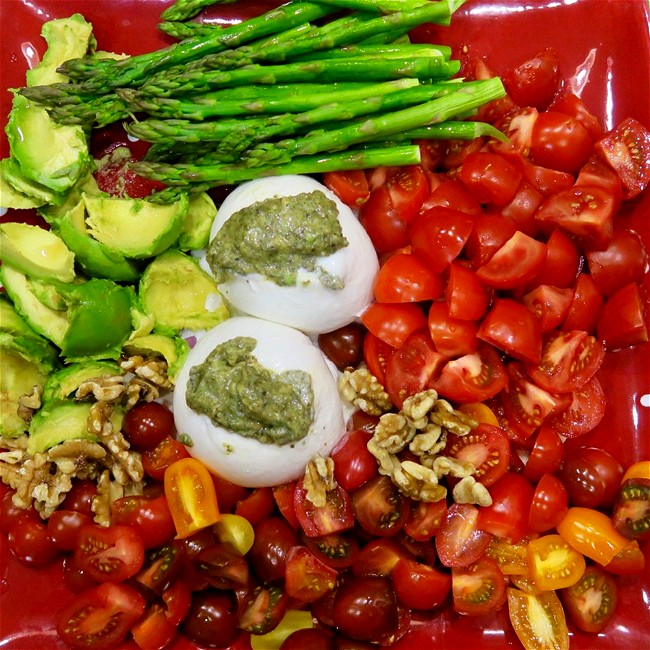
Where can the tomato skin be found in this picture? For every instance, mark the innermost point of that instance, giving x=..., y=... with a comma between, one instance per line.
x=337, y=550
x=452, y=337
x=425, y=518
x=350, y=186
x=591, y=602
x=546, y=455
x=30, y=542
x=379, y=557
x=585, y=306
x=627, y=562
x=408, y=188
x=257, y=506
x=333, y=517
x=452, y=193
x=631, y=514
x=531, y=612
x=268, y=555
x=562, y=262
x=343, y=346
x=571, y=104
x=386, y=229
x=150, y=516
x=521, y=209
x=479, y=588
x=466, y=297
x=404, y=277
x=621, y=321
x=376, y=354
x=191, y=496
x=379, y=507
x=592, y=533
x=420, y=586
x=393, y=323
x=491, y=178
x=307, y=578
x=460, y=541
x=353, y=463
x=535, y=81
x=63, y=527
x=100, y=617
x=490, y=233
x=147, y=423
x=640, y=469
x=550, y=305
x=155, y=461
x=511, y=327
x=560, y=142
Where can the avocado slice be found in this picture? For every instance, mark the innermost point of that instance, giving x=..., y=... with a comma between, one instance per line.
x=36, y=252
x=174, y=349
x=63, y=420
x=135, y=227
x=64, y=382
x=53, y=213
x=17, y=191
x=97, y=259
x=179, y=294
x=198, y=222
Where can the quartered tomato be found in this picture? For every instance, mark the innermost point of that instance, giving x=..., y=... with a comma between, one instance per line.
x=452, y=337
x=350, y=186
x=376, y=354
x=466, y=297
x=379, y=557
x=537, y=616
x=535, y=81
x=621, y=321
x=379, y=217
x=562, y=262
x=550, y=305
x=491, y=178
x=393, y=323
x=490, y=233
x=585, y=306
x=408, y=188
x=404, y=277
x=591, y=601
x=570, y=104
x=478, y=588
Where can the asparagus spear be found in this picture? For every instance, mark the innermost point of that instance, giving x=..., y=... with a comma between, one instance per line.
x=388, y=51
x=214, y=175
x=382, y=6
x=367, y=68
x=180, y=30
x=99, y=76
x=186, y=9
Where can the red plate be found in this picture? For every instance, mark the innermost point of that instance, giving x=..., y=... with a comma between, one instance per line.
x=605, y=54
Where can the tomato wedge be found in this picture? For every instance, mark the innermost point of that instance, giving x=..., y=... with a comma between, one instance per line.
x=393, y=323
x=350, y=186
x=538, y=619
x=334, y=516
x=404, y=277
x=460, y=541
x=479, y=588
x=306, y=577
x=621, y=321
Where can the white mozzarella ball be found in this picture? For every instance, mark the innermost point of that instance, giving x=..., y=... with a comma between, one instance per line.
x=309, y=305
x=246, y=461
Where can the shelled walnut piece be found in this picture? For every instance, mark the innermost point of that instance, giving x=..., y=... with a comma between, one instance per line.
x=44, y=479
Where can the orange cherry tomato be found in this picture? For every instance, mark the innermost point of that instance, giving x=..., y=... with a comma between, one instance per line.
x=641, y=469
x=479, y=412
x=553, y=563
x=538, y=619
x=592, y=533
x=191, y=496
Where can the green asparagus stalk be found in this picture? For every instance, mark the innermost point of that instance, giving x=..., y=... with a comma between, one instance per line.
x=453, y=130
x=99, y=111
x=99, y=76
x=388, y=51
x=215, y=175
x=381, y=6
x=367, y=68
x=180, y=30
x=186, y=9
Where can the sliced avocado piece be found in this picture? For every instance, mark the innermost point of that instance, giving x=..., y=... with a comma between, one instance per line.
x=66, y=38
x=179, y=294
x=17, y=191
x=135, y=227
x=53, y=213
x=174, y=349
x=97, y=259
x=99, y=313
x=36, y=252
x=50, y=323
x=65, y=381
x=198, y=222
x=64, y=420
x=11, y=321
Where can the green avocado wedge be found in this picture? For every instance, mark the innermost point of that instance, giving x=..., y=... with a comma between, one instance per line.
x=63, y=383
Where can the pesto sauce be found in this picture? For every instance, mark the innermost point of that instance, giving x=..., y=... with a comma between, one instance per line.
x=277, y=237
x=237, y=393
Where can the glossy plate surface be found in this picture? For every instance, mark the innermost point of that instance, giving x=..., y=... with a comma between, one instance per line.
x=605, y=55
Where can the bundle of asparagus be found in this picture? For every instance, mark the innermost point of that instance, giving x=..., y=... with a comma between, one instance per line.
x=309, y=86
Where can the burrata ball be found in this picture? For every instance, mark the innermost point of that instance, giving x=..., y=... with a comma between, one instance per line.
x=311, y=304
x=245, y=460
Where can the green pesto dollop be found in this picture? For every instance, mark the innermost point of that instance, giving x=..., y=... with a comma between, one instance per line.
x=277, y=237
x=237, y=393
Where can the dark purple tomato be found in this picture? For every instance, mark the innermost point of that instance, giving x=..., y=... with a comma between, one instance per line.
x=212, y=619
x=268, y=555
x=344, y=346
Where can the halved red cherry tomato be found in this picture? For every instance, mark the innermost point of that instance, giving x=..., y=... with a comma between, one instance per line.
x=546, y=455
x=155, y=461
x=404, y=277
x=386, y=229
x=411, y=367
x=337, y=550
x=262, y=609
x=191, y=496
x=573, y=105
x=376, y=354
x=306, y=577
x=510, y=557
x=466, y=297
x=425, y=518
x=491, y=178
x=408, y=188
x=562, y=262
x=257, y=506
x=488, y=449
x=479, y=588
x=591, y=601
x=553, y=563
x=161, y=568
x=535, y=81
x=438, y=236
x=515, y=264
x=549, y=504
x=420, y=586
x=109, y=554
x=460, y=541
x=585, y=412
x=510, y=326
x=631, y=514
x=350, y=186
x=150, y=516
x=452, y=193
x=627, y=150
x=379, y=507
x=379, y=557
x=353, y=463
x=621, y=321
x=334, y=516
x=473, y=377
x=100, y=617
x=393, y=323
x=538, y=615
x=452, y=337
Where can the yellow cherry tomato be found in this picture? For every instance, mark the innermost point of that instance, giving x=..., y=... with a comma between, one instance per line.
x=553, y=563
x=637, y=470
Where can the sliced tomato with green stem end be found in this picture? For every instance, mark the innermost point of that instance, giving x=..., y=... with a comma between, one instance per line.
x=535, y=81
x=350, y=186
x=379, y=507
x=100, y=617
x=591, y=602
x=491, y=178
x=466, y=296
x=334, y=516
x=631, y=513
x=404, y=277
x=549, y=505
x=460, y=541
x=569, y=360
x=507, y=516
x=452, y=337
x=438, y=235
x=109, y=554
x=583, y=212
x=478, y=588
x=473, y=377
x=585, y=412
x=621, y=320
x=393, y=323
x=549, y=304
x=627, y=150
x=515, y=264
x=307, y=578
x=538, y=615
x=425, y=518
x=511, y=327
x=419, y=586
x=408, y=188
x=486, y=447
